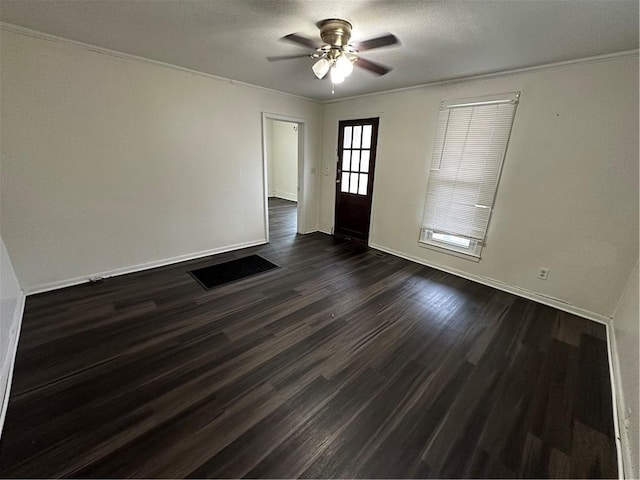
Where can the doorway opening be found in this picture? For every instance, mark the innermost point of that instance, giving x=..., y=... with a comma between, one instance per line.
x=283, y=149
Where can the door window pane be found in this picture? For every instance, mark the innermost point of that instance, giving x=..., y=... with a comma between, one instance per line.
x=362, y=189
x=366, y=136
x=344, y=185
x=357, y=133
x=346, y=160
x=364, y=160
x=353, y=183
x=347, y=137
x=355, y=157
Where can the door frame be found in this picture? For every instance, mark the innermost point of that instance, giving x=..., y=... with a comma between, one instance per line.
x=338, y=119
x=301, y=122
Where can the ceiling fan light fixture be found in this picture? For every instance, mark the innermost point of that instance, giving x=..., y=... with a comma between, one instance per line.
x=336, y=76
x=344, y=66
x=336, y=55
x=321, y=67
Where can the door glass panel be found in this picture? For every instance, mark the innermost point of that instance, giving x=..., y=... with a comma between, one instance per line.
x=364, y=160
x=353, y=183
x=366, y=136
x=357, y=133
x=347, y=137
x=346, y=160
x=344, y=185
x=355, y=157
x=362, y=189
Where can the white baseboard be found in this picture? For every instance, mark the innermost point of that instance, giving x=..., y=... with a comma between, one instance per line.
x=285, y=195
x=16, y=327
x=521, y=292
x=47, y=287
x=322, y=230
x=625, y=458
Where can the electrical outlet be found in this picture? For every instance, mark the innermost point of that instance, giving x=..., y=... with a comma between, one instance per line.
x=543, y=273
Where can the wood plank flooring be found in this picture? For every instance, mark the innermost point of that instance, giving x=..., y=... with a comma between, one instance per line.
x=345, y=362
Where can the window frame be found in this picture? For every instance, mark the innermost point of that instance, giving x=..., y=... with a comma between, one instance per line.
x=472, y=252
x=359, y=173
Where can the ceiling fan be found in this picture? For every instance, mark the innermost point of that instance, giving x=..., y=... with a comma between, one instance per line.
x=336, y=55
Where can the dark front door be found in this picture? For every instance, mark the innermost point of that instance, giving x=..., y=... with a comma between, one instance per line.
x=357, y=140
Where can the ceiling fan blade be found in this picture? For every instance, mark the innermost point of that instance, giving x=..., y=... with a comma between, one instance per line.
x=301, y=40
x=373, y=67
x=286, y=57
x=384, y=41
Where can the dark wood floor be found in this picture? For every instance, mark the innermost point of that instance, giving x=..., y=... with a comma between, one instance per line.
x=343, y=363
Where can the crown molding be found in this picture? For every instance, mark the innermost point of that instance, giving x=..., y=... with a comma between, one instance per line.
x=114, y=53
x=449, y=81
x=497, y=74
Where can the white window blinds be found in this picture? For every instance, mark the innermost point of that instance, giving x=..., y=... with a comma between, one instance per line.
x=471, y=140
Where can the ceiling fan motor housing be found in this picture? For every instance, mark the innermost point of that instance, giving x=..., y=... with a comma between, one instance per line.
x=335, y=32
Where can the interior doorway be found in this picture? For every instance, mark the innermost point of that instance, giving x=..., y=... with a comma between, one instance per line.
x=283, y=151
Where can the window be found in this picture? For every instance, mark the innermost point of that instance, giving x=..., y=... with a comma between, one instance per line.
x=471, y=141
x=356, y=152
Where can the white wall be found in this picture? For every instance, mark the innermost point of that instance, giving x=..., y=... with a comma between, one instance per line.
x=11, y=308
x=283, y=159
x=110, y=162
x=568, y=198
x=626, y=327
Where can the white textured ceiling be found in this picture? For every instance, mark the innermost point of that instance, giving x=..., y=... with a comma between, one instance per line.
x=441, y=40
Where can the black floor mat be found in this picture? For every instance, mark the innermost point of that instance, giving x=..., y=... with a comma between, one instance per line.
x=223, y=273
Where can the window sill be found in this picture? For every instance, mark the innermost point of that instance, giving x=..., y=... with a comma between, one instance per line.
x=448, y=251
